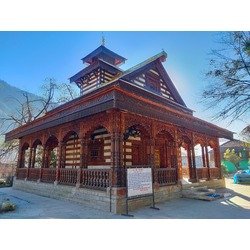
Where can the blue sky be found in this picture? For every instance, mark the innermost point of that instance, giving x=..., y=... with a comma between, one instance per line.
x=27, y=58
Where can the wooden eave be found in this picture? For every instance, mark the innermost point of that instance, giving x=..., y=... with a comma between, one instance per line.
x=102, y=49
x=133, y=103
x=123, y=96
x=71, y=111
x=137, y=90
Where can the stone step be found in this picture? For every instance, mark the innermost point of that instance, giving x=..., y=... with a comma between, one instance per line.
x=201, y=193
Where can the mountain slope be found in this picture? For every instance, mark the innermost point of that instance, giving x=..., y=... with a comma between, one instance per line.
x=10, y=97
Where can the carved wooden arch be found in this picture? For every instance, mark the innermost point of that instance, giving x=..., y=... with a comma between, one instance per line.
x=162, y=127
x=36, y=142
x=199, y=139
x=212, y=143
x=185, y=141
x=49, y=133
x=68, y=132
x=146, y=132
x=181, y=136
x=91, y=124
x=92, y=128
x=25, y=145
x=138, y=121
x=49, y=138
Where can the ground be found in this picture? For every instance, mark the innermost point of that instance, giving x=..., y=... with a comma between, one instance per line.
x=30, y=206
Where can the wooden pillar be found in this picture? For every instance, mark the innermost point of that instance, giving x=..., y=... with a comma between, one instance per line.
x=20, y=155
x=175, y=161
x=217, y=158
x=194, y=163
x=47, y=157
x=60, y=156
x=82, y=142
x=165, y=155
x=152, y=144
x=86, y=153
x=189, y=160
x=33, y=158
x=207, y=160
x=116, y=159
x=29, y=163
x=203, y=156
x=168, y=156
x=30, y=157
x=83, y=159
x=43, y=161
x=178, y=157
x=19, y=159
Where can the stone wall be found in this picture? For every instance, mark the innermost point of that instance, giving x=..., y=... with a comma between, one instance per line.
x=101, y=199
x=162, y=194
x=216, y=183
x=95, y=198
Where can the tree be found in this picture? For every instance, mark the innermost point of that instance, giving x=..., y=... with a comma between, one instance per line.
x=245, y=133
x=52, y=95
x=230, y=155
x=229, y=76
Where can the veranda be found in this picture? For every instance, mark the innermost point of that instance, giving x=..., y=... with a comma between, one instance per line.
x=94, y=152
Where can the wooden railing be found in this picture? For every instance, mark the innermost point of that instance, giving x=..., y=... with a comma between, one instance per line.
x=95, y=178
x=214, y=173
x=21, y=173
x=202, y=173
x=48, y=175
x=68, y=176
x=33, y=174
x=165, y=176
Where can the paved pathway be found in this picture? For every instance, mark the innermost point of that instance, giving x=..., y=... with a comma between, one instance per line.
x=30, y=206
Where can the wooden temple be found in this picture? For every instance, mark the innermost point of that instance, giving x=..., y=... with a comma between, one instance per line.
x=81, y=149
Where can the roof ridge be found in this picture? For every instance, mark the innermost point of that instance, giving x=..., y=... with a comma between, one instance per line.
x=145, y=62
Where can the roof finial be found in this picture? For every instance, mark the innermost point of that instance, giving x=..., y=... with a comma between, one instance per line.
x=103, y=40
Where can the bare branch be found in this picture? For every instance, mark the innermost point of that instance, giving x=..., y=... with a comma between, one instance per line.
x=229, y=77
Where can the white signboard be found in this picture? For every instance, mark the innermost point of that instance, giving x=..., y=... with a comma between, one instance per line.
x=139, y=181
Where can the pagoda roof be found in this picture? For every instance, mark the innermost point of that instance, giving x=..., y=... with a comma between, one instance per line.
x=119, y=95
x=100, y=51
x=126, y=75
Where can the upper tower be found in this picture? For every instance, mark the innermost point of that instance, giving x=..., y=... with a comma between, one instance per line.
x=102, y=67
x=104, y=54
x=149, y=75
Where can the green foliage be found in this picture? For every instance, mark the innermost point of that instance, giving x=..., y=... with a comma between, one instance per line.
x=53, y=158
x=230, y=155
x=7, y=206
x=2, y=182
x=6, y=182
